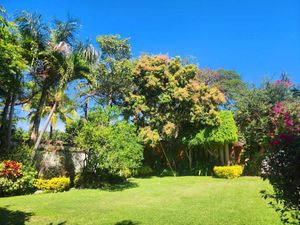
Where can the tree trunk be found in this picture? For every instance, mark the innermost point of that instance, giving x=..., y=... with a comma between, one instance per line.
x=51, y=131
x=110, y=99
x=86, y=108
x=221, y=155
x=226, y=149
x=10, y=120
x=167, y=159
x=37, y=116
x=4, y=123
x=190, y=158
x=42, y=132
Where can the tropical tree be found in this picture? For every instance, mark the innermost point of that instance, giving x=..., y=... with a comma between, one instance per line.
x=11, y=77
x=168, y=97
x=253, y=115
x=65, y=111
x=48, y=51
x=227, y=81
x=113, y=72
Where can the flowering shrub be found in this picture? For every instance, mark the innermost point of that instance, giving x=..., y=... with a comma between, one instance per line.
x=228, y=172
x=56, y=184
x=16, y=179
x=11, y=169
x=281, y=165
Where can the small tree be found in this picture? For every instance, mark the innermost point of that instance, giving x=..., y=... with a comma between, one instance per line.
x=111, y=143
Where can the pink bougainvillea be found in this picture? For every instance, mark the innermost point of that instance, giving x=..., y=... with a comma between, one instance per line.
x=286, y=122
x=282, y=82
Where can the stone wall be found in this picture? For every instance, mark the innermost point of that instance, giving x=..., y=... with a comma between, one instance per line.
x=59, y=160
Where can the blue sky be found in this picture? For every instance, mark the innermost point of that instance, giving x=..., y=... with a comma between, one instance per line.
x=257, y=38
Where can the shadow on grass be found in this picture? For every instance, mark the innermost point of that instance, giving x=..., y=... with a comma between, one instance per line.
x=127, y=222
x=61, y=223
x=10, y=217
x=120, y=187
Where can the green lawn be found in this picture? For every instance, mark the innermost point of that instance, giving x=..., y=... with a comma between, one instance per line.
x=180, y=200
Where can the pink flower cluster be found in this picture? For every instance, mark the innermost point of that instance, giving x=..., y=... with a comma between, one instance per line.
x=286, y=122
x=282, y=82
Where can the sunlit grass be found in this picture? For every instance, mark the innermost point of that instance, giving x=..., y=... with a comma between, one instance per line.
x=169, y=200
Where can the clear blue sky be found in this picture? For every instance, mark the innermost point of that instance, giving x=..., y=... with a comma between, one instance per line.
x=256, y=38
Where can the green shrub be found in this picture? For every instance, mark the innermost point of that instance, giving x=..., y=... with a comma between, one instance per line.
x=56, y=184
x=111, y=143
x=204, y=169
x=19, y=186
x=228, y=172
x=145, y=171
x=126, y=172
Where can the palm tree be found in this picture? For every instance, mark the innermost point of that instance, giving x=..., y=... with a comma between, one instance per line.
x=65, y=111
x=67, y=65
x=55, y=64
x=48, y=50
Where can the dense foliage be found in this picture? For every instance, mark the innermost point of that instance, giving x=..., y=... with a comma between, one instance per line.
x=110, y=142
x=171, y=116
x=225, y=133
x=15, y=179
x=281, y=165
x=167, y=97
x=253, y=115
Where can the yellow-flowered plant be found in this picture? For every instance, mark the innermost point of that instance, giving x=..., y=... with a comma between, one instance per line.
x=56, y=184
x=228, y=172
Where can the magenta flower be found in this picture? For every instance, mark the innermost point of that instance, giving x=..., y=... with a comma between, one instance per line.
x=275, y=142
x=286, y=137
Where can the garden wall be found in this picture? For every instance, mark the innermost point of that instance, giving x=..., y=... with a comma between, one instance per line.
x=59, y=160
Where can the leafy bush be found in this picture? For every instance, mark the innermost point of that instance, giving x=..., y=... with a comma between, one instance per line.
x=145, y=170
x=204, y=169
x=10, y=169
x=112, y=145
x=20, y=153
x=281, y=165
x=228, y=172
x=56, y=184
x=23, y=184
x=126, y=172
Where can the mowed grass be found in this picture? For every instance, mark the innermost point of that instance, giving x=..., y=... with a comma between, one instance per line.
x=168, y=200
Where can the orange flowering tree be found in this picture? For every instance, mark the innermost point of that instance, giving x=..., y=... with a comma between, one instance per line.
x=167, y=97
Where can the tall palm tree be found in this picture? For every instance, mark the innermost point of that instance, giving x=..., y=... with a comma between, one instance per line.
x=47, y=50
x=67, y=65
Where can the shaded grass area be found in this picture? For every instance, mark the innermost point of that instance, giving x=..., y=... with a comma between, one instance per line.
x=168, y=200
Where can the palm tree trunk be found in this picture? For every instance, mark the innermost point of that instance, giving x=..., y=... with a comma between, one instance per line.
x=37, y=116
x=167, y=159
x=3, y=128
x=10, y=120
x=51, y=131
x=33, y=156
